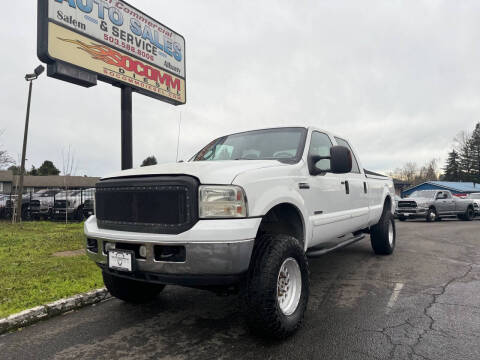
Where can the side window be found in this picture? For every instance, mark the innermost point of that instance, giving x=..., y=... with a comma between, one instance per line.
x=320, y=144
x=355, y=167
x=449, y=195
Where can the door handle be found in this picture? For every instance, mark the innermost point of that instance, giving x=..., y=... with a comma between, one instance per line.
x=347, y=186
x=365, y=190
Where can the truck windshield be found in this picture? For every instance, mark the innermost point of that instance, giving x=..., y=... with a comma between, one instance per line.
x=423, y=194
x=284, y=144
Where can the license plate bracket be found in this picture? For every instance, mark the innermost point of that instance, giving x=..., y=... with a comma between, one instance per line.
x=121, y=260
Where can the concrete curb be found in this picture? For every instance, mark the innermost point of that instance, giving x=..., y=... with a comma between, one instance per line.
x=31, y=316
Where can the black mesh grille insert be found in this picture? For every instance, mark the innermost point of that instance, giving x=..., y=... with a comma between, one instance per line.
x=407, y=204
x=166, y=205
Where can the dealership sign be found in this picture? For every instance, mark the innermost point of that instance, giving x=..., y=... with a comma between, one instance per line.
x=114, y=42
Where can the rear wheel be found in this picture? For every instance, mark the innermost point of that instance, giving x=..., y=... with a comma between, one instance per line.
x=469, y=214
x=383, y=234
x=132, y=291
x=277, y=287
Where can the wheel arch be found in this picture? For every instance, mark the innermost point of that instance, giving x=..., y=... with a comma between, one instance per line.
x=284, y=218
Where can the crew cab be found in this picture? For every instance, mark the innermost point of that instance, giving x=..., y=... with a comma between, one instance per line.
x=242, y=215
x=433, y=205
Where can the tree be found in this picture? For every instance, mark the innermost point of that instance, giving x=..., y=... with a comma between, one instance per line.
x=33, y=171
x=68, y=162
x=5, y=158
x=14, y=169
x=474, y=153
x=463, y=149
x=151, y=160
x=428, y=172
x=48, y=168
x=413, y=175
x=452, y=170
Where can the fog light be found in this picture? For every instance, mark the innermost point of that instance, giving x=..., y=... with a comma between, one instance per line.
x=109, y=246
x=143, y=251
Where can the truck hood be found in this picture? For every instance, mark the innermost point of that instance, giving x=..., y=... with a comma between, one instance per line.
x=208, y=172
x=418, y=200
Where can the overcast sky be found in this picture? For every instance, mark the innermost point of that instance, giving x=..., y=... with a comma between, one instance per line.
x=398, y=78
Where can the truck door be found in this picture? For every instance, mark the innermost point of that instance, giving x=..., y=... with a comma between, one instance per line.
x=444, y=203
x=327, y=200
x=358, y=193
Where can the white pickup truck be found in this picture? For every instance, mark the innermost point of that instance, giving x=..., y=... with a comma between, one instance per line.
x=242, y=216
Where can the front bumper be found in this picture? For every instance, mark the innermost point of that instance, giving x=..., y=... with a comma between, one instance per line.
x=213, y=248
x=411, y=212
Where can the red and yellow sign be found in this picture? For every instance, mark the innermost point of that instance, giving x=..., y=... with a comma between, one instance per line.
x=73, y=48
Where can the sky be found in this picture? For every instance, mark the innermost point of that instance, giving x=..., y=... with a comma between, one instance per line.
x=399, y=79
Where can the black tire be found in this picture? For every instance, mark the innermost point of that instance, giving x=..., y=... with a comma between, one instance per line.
x=380, y=234
x=263, y=313
x=431, y=215
x=131, y=291
x=79, y=214
x=402, y=218
x=469, y=214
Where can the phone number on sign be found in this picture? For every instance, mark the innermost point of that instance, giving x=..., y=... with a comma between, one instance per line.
x=129, y=47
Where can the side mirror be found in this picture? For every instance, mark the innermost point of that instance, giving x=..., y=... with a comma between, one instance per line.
x=340, y=161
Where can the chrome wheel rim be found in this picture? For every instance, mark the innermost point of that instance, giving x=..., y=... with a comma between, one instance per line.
x=432, y=215
x=390, y=233
x=289, y=286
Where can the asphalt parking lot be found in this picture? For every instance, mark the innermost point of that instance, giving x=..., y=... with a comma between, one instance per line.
x=421, y=303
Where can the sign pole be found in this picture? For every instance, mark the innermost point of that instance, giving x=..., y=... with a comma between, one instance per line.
x=126, y=133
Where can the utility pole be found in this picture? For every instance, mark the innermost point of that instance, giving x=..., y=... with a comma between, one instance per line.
x=29, y=77
x=126, y=133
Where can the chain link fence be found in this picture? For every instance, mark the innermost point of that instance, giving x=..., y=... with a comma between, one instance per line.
x=50, y=204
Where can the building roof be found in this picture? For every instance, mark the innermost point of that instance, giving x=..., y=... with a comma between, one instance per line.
x=60, y=181
x=6, y=176
x=461, y=187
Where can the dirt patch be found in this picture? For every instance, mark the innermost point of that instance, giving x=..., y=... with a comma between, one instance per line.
x=69, y=253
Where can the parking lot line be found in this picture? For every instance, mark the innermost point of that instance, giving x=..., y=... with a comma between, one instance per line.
x=393, y=298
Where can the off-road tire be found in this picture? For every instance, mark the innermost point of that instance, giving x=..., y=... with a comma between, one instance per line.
x=263, y=314
x=429, y=217
x=380, y=234
x=131, y=291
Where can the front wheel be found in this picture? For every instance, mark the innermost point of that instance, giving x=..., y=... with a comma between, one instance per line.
x=431, y=215
x=131, y=291
x=383, y=235
x=277, y=288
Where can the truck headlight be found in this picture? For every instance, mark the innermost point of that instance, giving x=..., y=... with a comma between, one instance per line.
x=217, y=201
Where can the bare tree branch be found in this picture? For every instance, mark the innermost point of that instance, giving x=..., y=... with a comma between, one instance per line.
x=5, y=159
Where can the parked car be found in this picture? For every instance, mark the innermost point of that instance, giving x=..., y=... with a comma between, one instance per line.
x=433, y=205
x=68, y=204
x=42, y=202
x=475, y=197
x=242, y=215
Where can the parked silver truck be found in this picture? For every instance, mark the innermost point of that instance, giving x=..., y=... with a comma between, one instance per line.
x=433, y=205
